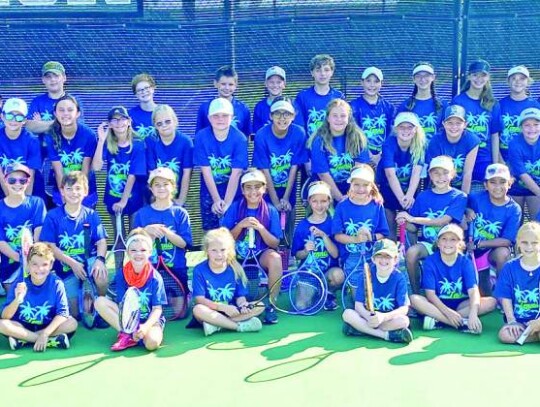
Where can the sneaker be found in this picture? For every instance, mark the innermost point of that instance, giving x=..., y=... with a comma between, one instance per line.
x=15, y=343
x=124, y=341
x=348, y=330
x=330, y=304
x=400, y=335
x=431, y=323
x=210, y=329
x=59, y=342
x=251, y=325
x=270, y=316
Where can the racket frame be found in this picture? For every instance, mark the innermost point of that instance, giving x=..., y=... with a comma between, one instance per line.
x=134, y=315
x=88, y=318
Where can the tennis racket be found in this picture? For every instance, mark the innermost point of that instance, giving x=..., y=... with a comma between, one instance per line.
x=402, y=258
x=348, y=291
x=471, y=251
x=27, y=241
x=257, y=278
x=306, y=290
x=130, y=311
x=88, y=292
x=369, y=302
x=117, y=254
x=176, y=293
x=284, y=245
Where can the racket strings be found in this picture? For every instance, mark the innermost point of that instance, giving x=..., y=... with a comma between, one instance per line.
x=176, y=298
x=305, y=295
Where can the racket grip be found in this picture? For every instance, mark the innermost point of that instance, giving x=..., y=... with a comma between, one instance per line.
x=283, y=219
x=402, y=233
x=524, y=335
x=251, y=238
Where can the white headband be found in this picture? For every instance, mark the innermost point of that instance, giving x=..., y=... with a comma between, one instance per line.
x=144, y=238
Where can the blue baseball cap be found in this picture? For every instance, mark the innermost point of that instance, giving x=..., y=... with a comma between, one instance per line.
x=454, y=111
x=479, y=66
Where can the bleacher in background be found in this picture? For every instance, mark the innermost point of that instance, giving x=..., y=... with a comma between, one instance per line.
x=182, y=43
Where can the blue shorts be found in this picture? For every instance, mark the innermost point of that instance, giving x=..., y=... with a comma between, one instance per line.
x=73, y=286
x=208, y=218
x=453, y=304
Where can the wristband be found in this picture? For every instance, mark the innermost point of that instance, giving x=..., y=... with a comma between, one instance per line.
x=101, y=259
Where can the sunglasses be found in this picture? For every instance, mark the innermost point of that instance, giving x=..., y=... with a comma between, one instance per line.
x=13, y=181
x=19, y=118
x=163, y=123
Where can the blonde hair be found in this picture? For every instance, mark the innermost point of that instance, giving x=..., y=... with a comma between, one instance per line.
x=164, y=109
x=139, y=235
x=224, y=236
x=529, y=227
x=112, y=139
x=355, y=139
x=41, y=249
x=487, y=100
x=418, y=144
x=375, y=193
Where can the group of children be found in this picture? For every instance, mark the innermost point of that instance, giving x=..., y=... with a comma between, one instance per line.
x=360, y=157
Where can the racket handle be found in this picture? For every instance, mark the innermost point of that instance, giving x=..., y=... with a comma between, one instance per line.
x=251, y=238
x=283, y=219
x=20, y=296
x=402, y=233
x=524, y=335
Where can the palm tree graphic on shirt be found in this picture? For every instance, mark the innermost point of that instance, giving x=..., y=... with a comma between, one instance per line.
x=173, y=164
x=315, y=120
x=352, y=228
x=6, y=161
x=384, y=304
x=403, y=174
x=479, y=124
x=279, y=168
x=118, y=175
x=47, y=116
x=144, y=131
x=430, y=232
x=71, y=161
x=340, y=166
x=451, y=290
x=34, y=315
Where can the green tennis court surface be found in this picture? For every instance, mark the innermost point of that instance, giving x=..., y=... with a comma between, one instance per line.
x=302, y=361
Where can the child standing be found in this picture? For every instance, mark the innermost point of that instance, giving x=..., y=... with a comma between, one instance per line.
x=432, y=209
x=64, y=229
x=518, y=286
x=143, y=86
x=252, y=212
x=226, y=83
x=402, y=162
x=524, y=160
x=311, y=102
x=219, y=288
x=373, y=113
x=452, y=295
x=388, y=320
x=275, y=81
x=221, y=152
x=36, y=309
x=459, y=143
x=336, y=147
x=313, y=235
x=138, y=273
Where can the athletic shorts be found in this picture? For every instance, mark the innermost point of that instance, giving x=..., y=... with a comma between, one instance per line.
x=209, y=219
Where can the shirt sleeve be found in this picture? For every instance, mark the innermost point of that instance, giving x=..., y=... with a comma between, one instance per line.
x=457, y=207
x=504, y=287
x=200, y=158
x=62, y=307
x=199, y=283
x=428, y=274
x=260, y=155
x=319, y=162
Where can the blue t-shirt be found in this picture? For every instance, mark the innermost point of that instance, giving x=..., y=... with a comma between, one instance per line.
x=510, y=112
x=430, y=205
x=450, y=283
x=302, y=235
x=220, y=156
x=440, y=145
x=261, y=114
x=222, y=288
x=278, y=155
x=521, y=287
x=375, y=120
x=174, y=218
x=430, y=118
x=394, y=157
x=493, y=221
x=68, y=235
x=71, y=155
x=29, y=214
x=338, y=165
x=232, y=217
x=141, y=121
x=387, y=296
x=523, y=158
x=311, y=108
x=483, y=123
x=41, y=302
x=128, y=161
x=241, y=119
x=152, y=294
x=350, y=217
x=176, y=156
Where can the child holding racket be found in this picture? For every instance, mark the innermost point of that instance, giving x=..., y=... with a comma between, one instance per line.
x=64, y=230
x=518, y=286
x=388, y=295
x=336, y=147
x=451, y=286
x=143, y=86
x=219, y=288
x=314, y=235
x=138, y=273
x=359, y=220
x=36, y=309
x=252, y=212
x=402, y=161
x=524, y=161
x=167, y=221
x=274, y=81
x=494, y=221
x=17, y=211
x=432, y=209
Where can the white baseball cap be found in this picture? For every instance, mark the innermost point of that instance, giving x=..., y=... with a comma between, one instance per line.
x=15, y=105
x=529, y=113
x=372, y=70
x=282, y=105
x=497, y=170
x=423, y=68
x=253, y=176
x=220, y=105
x=407, y=117
x=522, y=69
x=162, y=172
x=443, y=161
x=319, y=188
x=275, y=70
x=451, y=228
x=364, y=172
